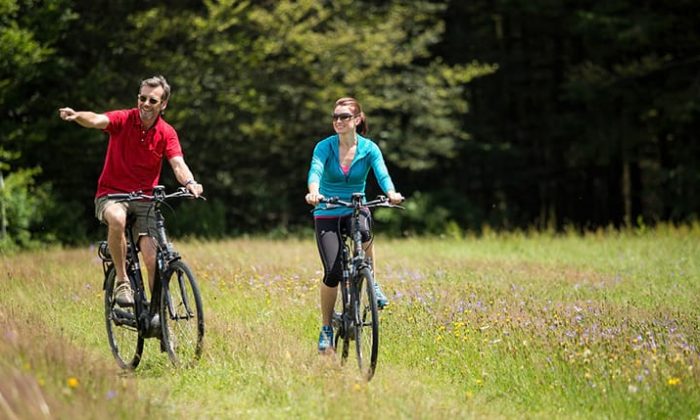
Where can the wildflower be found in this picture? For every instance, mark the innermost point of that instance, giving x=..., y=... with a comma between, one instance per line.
x=673, y=381
x=72, y=382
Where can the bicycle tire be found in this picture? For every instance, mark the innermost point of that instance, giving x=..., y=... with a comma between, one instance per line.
x=123, y=335
x=182, y=315
x=342, y=338
x=366, y=323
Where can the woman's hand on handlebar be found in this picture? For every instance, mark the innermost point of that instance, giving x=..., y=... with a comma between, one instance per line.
x=395, y=197
x=313, y=198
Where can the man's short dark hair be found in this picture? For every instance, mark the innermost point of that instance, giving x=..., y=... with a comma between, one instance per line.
x=156, y=81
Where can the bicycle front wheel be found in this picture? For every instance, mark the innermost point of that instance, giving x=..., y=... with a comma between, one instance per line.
x=182, y=315
x=122, y=328
x=342, y=338
x=366, y=323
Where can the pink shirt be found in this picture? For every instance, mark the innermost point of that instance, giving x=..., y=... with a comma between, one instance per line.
x=134, y=155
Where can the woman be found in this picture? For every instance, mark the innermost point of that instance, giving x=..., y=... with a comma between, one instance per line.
x=339, y=167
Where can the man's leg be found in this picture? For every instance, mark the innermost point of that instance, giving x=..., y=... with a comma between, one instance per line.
x=147, y=245
x=115, y=217
x=148, y=250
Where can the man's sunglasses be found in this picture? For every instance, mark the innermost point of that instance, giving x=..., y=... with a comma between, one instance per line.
x=344, y=117
x=152, y=101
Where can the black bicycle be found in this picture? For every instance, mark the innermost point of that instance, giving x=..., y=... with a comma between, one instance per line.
x=356, y=316
x=174, y=314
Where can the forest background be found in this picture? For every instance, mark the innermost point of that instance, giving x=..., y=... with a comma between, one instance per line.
x=505, y=114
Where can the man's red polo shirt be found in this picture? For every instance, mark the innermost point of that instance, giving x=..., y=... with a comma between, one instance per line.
x=134, y=155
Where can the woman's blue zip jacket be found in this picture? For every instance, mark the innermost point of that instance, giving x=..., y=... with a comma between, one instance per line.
x=326, y=171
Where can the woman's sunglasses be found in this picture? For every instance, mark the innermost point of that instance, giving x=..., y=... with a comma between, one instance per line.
x=152, y=101
x=344, y=117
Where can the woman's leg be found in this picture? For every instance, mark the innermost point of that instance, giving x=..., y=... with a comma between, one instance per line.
x=369, y=252
x=368, y=246
x=328, y=297
x=329, y=248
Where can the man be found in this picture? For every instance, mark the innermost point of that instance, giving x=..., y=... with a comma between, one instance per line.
x=139, y=138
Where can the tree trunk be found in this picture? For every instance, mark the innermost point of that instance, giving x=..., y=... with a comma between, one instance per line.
x=627, y=191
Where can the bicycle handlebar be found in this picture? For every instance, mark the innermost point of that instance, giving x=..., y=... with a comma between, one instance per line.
x=380, y=201
x=181, y=192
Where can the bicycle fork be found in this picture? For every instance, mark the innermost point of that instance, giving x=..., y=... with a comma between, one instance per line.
x=344, y=321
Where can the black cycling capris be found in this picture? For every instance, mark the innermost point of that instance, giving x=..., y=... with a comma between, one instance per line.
x=328, y=239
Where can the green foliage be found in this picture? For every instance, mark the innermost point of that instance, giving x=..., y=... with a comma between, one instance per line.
x=434, y=213
x=422, y=215
x=20, y=51
x=197, y=219
x=506, y=113
x=267, y=77
x=23, y=203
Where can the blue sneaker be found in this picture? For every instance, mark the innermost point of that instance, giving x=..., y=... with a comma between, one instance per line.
x=325, y=339
x=382, y=300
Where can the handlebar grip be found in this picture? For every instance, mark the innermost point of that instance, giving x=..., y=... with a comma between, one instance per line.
x=329, y=200
x=119, y=196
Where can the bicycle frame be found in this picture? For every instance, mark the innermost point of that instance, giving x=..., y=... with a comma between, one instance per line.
x=168, y=305
x=165, y=248
x=353, y=263
x=358, y=318
x=165, y=255
x=143, y=310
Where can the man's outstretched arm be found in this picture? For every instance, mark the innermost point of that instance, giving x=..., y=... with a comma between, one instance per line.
x=85, y=118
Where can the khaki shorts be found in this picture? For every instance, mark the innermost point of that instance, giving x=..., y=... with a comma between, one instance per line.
x=145, y=223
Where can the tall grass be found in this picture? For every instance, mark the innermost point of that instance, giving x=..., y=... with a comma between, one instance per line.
x=519, y=325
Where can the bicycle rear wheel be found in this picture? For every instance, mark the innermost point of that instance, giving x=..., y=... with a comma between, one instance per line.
x=366, y=324
x=122, y=328
x=182, y=316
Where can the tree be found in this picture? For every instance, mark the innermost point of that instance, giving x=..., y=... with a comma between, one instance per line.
x=265, y=79
x=25, y=47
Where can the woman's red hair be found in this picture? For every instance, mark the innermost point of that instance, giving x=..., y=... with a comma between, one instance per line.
x=356, y=110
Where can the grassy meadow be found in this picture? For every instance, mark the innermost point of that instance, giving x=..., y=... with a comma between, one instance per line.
x=525, y=325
